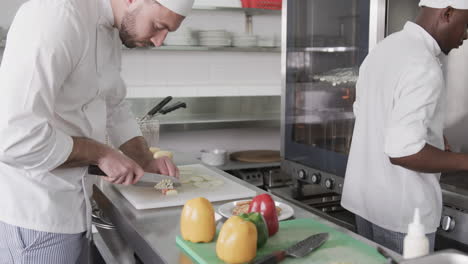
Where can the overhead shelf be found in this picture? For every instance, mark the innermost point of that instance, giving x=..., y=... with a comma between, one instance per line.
x=327, y=49
x=249, y=11
x=213, y=118
x=213, y=121
x=205, y=48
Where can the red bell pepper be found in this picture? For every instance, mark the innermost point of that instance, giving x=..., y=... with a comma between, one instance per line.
x=265, y=205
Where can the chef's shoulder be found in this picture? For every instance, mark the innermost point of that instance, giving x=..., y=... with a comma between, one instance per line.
x=410, y=56
x=53, y=23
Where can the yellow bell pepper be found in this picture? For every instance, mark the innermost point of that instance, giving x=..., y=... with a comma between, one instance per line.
x=197, y=222
x=237, y=241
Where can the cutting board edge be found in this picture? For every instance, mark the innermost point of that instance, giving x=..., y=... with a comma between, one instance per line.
x=189, y=252
x=248, y=192
x=176, y=203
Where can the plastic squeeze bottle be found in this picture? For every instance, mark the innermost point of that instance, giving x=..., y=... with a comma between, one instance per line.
x=415, y=243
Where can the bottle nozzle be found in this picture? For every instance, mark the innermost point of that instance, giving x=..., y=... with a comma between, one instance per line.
x=416, y=227
x=417, y=216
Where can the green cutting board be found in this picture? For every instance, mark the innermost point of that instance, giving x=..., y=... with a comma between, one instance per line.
x=339, y=249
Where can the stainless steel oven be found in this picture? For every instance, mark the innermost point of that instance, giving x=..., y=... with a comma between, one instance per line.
x=324, y=43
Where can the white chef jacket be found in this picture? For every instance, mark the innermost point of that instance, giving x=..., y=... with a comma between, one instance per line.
x=59, y=78
x=399, y=108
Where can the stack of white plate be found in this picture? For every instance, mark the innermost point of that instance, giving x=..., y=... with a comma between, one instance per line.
x=244, y=41
x=181, y=38
x=215, y=38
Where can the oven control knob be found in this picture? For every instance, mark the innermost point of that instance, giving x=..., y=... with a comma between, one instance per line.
x=315, y=178
x=330, y=184
x=302, y=174
x=447, y=224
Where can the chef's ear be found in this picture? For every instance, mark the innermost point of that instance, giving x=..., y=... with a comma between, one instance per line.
x=447, y=14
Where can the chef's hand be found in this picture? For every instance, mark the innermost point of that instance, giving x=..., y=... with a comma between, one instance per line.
x=447, y=146
x=119, y=168
x=163, y=165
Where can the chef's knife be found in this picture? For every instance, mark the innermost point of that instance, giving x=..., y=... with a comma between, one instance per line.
x=299, y=250
x=157, y=108
x=147, y=177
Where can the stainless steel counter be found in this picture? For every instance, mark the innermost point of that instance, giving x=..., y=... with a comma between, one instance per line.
x=151, y=233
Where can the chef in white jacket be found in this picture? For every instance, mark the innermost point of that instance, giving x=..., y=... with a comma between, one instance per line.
x=61, y=94
x=398, y=151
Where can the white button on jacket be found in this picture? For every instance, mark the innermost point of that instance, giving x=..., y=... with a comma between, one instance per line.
x=59, y=78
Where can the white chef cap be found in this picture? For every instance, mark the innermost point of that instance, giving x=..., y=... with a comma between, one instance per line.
x=457, y=4
x=181, y=7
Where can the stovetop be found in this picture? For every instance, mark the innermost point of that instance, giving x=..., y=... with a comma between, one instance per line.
x=457, y=179
x=455, y=189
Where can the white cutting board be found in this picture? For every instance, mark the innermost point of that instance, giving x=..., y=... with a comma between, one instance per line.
x=142, y=197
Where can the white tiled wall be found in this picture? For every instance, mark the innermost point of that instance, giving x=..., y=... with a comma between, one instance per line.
x=150, y=73
x=153, y=73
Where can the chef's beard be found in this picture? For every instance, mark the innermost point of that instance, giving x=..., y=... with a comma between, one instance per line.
x=128, y=28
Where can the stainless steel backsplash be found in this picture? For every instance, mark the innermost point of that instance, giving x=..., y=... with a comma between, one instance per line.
x=216, y=106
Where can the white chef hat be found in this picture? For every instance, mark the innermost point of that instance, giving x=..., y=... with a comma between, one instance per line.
x=181, y=7
x=457, y=4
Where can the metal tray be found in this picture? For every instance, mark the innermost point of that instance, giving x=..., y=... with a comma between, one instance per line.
x=444, y=256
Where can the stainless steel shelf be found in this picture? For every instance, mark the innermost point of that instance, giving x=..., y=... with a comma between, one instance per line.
x=206, y=118
x=204, y=122
x=249, y=11
x=327, y=49
x=204, y=48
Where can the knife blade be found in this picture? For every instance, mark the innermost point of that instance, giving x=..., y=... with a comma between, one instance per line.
x=298, y=250
x=307, y=245
x=147, y=177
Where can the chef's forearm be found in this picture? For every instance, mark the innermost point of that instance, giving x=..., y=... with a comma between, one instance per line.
x=433, y=160
x=85, y=152
x=138, y=150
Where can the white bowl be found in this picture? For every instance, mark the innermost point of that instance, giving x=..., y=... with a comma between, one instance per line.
x=215, y=157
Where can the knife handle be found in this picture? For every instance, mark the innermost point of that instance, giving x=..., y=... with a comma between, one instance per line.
x=95, y=170
x=159, y=106
x=173, y=107
x=273, y=258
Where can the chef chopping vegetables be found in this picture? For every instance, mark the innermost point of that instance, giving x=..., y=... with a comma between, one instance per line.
x=61, y=95
x=398, y=150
